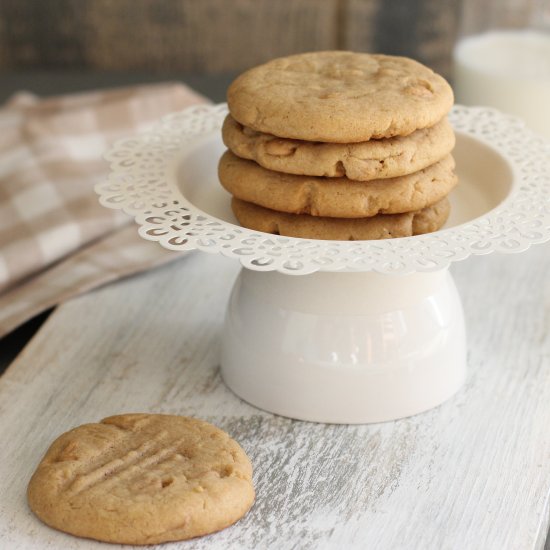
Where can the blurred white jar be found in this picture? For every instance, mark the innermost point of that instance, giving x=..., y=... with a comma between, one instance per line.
x=505, y=62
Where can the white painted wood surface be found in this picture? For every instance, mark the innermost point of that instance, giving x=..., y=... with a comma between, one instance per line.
x=471, y=474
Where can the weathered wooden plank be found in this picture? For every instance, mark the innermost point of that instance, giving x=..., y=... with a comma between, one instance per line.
x=41, y=34
x=218, y=36
x=471, y=474
x=359, y=22
x=423, y=29
x=191, y=35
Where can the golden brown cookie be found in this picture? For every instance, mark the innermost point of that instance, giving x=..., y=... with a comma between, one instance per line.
x=340, y=97
x=383, y=226
x=142, y=479
x=377, y=158
x=335, y=197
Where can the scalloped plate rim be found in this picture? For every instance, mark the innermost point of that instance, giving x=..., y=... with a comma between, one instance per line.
x=220, y=110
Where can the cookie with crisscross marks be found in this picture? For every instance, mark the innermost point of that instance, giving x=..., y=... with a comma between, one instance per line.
x=142, y=479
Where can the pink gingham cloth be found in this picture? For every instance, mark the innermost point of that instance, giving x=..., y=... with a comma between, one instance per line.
x=56, y=240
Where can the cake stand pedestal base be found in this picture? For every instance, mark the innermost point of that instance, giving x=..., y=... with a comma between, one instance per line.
x=344, y=347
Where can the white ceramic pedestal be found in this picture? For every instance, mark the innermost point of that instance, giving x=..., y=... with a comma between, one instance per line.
x=338, y=331
x=344, y=347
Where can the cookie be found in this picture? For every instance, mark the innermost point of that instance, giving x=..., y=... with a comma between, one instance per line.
x=335, y=197
x=142, y=479
x=339, y=97
x=378, y=158
x=383, y=226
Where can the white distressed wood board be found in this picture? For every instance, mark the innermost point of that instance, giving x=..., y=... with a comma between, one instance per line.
x=472, y=474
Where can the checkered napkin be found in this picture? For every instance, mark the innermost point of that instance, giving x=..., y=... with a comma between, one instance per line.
x=56, y=241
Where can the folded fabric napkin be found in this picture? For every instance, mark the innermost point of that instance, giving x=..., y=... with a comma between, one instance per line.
x=56, y=240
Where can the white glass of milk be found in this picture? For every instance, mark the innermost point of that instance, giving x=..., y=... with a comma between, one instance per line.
x=508, y=69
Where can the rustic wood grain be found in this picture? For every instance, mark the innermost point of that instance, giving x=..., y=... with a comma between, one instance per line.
x=423, y=29
x=205, y=35
x=217, y=35
x=438, y=27
x=41, y=34
x=471, y=474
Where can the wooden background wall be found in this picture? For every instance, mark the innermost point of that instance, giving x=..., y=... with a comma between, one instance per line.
x=214, y=36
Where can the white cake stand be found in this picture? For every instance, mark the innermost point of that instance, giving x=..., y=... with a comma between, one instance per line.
x=337, y=331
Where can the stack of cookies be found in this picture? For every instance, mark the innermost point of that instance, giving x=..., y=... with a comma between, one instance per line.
x=339, y=145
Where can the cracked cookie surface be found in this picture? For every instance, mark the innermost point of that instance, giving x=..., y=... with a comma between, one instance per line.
x=339, y=97
x=383, y=226
x=363, y=161
x=142, y=479
x=335, y=197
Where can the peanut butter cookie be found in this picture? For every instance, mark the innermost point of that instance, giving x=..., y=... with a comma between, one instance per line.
x=383, y=226
x=368, y=160
x=335, y=197
x=339, y=97
x=142, y=479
